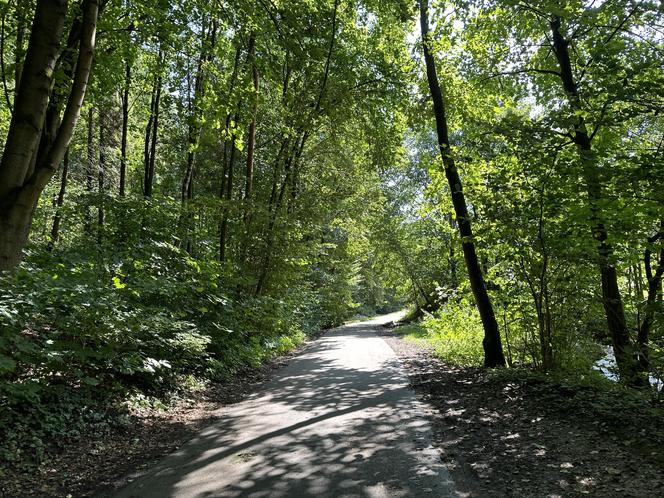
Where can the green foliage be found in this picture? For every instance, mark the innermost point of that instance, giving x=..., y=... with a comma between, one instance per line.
x=454, y=333
x=79, y=338
x=349, y=211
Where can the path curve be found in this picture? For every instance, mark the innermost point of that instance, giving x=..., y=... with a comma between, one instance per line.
x=338, y=421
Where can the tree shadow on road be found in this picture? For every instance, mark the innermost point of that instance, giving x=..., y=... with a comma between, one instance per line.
x=334, y=428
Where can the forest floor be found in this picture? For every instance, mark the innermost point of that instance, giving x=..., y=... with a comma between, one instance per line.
x=498, y=436
x=525, y=437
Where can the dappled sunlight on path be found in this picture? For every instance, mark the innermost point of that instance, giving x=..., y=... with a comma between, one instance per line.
x=338, y=421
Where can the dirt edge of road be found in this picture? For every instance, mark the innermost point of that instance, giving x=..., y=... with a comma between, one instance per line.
x=506, y=440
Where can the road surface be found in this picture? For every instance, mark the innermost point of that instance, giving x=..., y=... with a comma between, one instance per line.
x=338, y=421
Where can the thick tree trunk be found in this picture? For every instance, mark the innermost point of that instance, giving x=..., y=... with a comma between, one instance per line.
x=611, y=298
x=493, y=351
x=21, y=13
x=21, y=179
x=33, y=95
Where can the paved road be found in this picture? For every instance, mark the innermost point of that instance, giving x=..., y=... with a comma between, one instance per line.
x=338, y=421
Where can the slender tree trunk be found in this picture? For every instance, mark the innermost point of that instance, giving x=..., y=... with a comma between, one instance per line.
x=290, y=164
x=125, y=124
x=151, y=132
x=223, y=232
x=146, y=144
x=654, y=283
x=229, y=158
x=55, y=230
x=101, y=172
x=226, y=139
x=153, y=140
x=251, y=137
x=493, y=351
x=208, y=42
x=611, y=298
x=89, y=166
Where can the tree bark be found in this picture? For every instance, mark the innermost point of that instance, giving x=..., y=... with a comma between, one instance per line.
x=21, y=8
x=208, y=42
x=151, y=134
x=89, y=166
x=101, y=173
x=125, y=125
x=34, y=91
x=225, y=139
x=654, y=282
x=229, y=158
x=20, y=184
x=493, y=351
x=251, y=137
x=55, y=230
x=223, y=232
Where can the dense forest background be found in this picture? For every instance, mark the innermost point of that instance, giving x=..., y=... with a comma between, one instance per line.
x=222, y=179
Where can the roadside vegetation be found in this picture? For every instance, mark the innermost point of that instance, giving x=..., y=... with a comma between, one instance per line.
x=189, y=189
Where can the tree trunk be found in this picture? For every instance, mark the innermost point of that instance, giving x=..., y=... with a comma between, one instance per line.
x=21, y=184
x=493, y=351
x=21, y=8
x=228, y=157
x=101, y=172
x=223, y=232
x=251, y=137
x=290, y=164
x=654, y=282
x=611, y=298
x=208, y=42
x=55, y=230
x=125, y=124
x=89, y=167
x=153, y=141
x=33, y=95
x=151, y=131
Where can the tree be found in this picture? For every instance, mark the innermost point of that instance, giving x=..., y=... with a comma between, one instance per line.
x=493, y=352
x=33, y=151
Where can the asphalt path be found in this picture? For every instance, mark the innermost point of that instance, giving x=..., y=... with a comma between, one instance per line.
x=338, y=421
